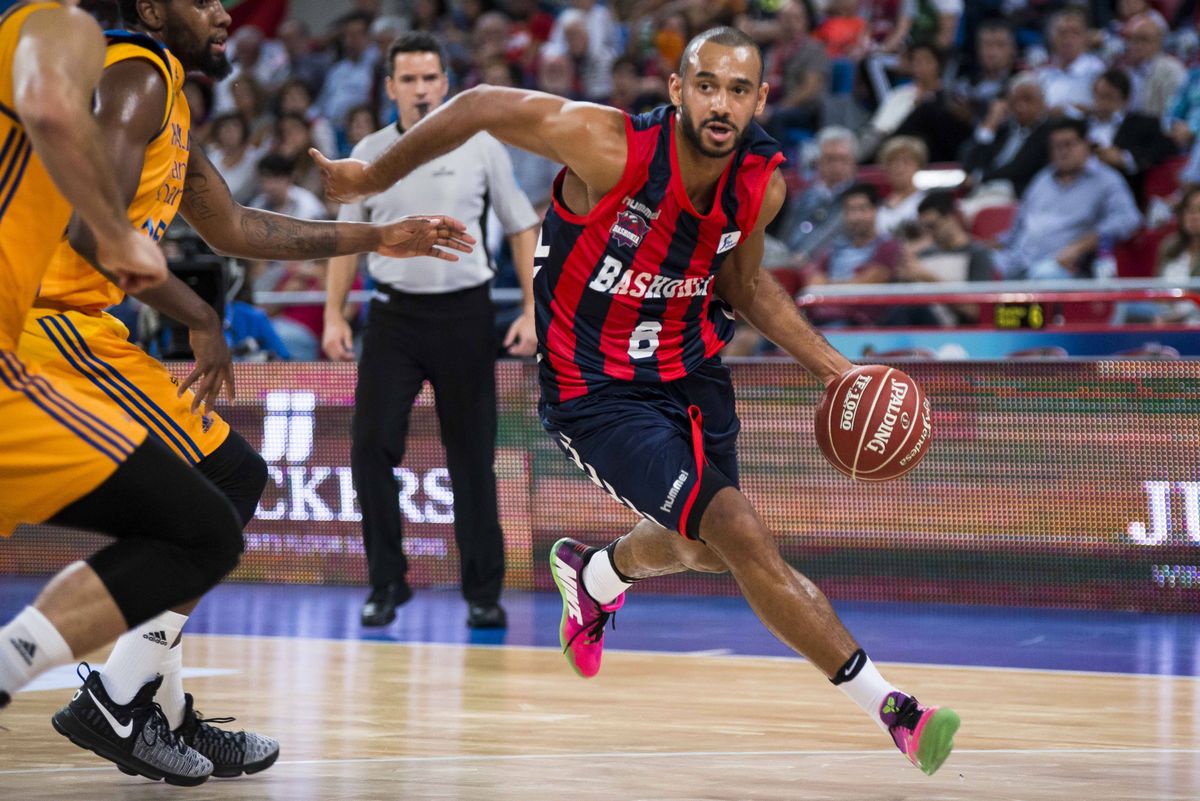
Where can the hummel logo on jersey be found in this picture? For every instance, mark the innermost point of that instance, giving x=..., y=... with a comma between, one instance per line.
x=121, y=730
x=614, y=278
x=156, y=637
x=566, y=574
x=729, y=241
x=25, y=648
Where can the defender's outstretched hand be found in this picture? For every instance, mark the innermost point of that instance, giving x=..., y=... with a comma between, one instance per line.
x=345, y=179
x=425, y=236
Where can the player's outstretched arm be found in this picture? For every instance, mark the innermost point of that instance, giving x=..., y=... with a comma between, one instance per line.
x=57, y=65
x=587, y=138
x=235, y=230
x=759, y=297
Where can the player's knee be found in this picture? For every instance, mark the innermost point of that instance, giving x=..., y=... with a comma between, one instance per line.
x=223, y=543
x=730, y=524
x=251, y=482
x=239, y=472
x=209, y=542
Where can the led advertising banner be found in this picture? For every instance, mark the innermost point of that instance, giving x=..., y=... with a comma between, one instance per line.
x=1047, y=483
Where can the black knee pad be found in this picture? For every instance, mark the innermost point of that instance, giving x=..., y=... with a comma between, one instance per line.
x=238, y=472
x=176, y=534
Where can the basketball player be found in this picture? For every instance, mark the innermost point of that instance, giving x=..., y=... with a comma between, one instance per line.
x=62, y=456
x=145, y=125
x=652, y=216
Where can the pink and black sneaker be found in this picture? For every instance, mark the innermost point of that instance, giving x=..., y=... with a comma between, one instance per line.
x=581, y=632
x=924, y=734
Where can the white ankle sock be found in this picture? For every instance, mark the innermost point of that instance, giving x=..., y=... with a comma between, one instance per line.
x=868, y=689
x=29, y=646
x=600, y=578
x=170, y=694
x=138, y=656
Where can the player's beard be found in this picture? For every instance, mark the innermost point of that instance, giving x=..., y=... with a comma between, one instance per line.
x=693, y=134
x=197, y=54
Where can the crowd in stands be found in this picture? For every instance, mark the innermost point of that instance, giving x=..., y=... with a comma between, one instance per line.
x=927, y=139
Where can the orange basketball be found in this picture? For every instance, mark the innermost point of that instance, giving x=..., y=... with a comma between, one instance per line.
x=873, y=423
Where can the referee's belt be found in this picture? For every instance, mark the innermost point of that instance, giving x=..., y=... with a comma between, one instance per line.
x=455, y=300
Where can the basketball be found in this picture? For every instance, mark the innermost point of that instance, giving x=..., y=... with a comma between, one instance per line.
x=873, y=423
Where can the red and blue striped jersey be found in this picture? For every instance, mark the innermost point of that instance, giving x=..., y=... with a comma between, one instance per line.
x=625, y=292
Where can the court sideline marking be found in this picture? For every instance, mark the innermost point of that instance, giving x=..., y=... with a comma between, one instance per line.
x=451, y=758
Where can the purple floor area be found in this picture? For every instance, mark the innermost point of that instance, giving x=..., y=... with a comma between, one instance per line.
x=1120, y=642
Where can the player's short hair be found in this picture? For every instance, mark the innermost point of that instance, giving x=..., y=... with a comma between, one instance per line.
x=862, y=189
x=725, y=36
x=128, y=11
x=415, y=42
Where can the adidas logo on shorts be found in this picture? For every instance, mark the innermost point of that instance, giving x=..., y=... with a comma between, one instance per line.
x=157, y=637
x=25, y=648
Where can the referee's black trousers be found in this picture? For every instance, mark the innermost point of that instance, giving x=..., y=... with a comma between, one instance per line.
x=450, y=340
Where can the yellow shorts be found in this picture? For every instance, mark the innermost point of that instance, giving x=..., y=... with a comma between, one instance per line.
x=55, y=445
x=93, y=356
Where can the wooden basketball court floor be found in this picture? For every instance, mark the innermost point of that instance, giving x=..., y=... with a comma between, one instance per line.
x=405, y=716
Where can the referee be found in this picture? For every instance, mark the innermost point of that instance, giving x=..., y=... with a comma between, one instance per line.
x=432, y=320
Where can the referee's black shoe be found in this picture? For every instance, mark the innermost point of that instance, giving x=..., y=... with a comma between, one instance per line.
x=487, y=616
x=380, y=608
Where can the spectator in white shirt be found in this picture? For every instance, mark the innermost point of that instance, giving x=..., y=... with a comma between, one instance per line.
x=901, y=157
x=1067, y=80
x=280, y=193
x=1156, y=75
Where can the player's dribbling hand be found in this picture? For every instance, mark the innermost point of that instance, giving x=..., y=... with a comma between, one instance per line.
x=214, y=366
x=425, y=236
x=337, y=340
x=136, y=262
x=345, y=179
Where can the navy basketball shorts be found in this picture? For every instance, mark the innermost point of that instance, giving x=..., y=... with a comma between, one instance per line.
x=663, y=450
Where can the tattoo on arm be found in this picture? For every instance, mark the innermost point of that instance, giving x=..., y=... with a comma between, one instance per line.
x=197, y=197
x=280, y=237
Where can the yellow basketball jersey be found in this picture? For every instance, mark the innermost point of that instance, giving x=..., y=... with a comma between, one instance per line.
x=71, y=281
x=33, y=213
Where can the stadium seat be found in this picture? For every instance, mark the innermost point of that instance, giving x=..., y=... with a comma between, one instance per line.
x=1163, y=180
x=791, y=279
x=993, y=221
x=1137, y=256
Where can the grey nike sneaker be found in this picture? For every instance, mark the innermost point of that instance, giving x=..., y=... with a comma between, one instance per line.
x=232, y=753
x=135, y=736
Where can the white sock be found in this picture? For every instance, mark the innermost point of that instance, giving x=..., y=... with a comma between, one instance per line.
x=170, y=694
x=29, y=646
x=138, y=656
x=600, y=578
x=867, y=688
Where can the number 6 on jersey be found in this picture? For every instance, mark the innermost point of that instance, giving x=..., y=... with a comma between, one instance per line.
x=643, y=340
